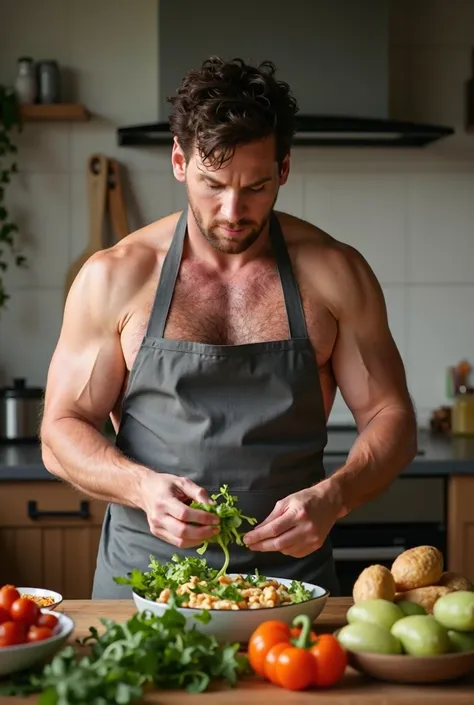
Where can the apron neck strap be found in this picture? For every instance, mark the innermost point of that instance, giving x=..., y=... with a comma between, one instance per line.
x=167, y=283
x=170, y=269
x=291, y=294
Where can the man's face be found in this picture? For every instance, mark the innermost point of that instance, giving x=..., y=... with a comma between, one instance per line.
x=232, y=205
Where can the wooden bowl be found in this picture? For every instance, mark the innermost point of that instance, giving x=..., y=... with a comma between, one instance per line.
x=413, y=669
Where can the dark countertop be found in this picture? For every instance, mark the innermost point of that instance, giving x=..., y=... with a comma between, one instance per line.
x=437, y=456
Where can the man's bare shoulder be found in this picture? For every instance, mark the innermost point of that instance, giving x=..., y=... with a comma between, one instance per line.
x=338, y=271
x=116, y=275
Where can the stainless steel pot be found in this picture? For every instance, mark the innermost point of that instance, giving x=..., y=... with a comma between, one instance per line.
x=20, y=411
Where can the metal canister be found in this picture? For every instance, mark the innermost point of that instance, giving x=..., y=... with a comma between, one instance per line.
x=20, y=411
x=49, y=81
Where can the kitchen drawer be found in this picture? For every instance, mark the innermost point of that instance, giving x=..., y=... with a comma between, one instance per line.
x=47, y=504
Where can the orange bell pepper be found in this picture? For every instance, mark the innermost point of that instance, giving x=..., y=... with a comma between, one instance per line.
x=296, y=663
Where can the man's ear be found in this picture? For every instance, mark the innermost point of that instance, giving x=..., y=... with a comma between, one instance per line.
x=178, y=161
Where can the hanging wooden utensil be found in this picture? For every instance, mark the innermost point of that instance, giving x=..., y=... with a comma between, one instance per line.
x=116, y=202
x=97, y=188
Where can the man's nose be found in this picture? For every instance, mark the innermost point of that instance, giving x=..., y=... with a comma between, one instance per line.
x=231, y=207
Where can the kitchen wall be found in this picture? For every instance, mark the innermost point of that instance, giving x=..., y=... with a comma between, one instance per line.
x=410, y=213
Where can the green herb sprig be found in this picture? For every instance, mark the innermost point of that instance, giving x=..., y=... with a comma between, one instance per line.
x=231, y=519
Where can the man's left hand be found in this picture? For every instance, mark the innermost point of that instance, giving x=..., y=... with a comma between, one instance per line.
x=298, y=525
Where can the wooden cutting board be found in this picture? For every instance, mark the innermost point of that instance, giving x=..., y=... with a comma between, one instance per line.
x=97, y=174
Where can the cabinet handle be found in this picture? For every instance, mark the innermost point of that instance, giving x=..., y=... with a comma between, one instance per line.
x=35, y=513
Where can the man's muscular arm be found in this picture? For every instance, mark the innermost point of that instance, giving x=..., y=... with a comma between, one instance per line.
x=85, y=378
x=370, y=374
x=369, y=371
x=84, y=382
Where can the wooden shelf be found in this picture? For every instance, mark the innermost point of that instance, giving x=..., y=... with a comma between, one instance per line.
x=71, y=112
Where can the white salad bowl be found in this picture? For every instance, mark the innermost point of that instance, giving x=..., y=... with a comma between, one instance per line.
x=23, y=656
x=238, y=625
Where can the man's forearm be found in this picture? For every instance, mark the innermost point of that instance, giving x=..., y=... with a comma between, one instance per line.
x=382, y=450
x=79, y=454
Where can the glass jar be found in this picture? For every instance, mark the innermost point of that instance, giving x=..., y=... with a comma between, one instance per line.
x=462, y=418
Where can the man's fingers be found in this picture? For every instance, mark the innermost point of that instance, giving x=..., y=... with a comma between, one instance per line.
x=270, y=530
x=183, y=513
x=188, y=532
x=280, y=543
x=194, y=491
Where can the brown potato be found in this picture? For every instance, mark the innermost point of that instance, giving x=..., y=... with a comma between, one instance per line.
x=374, y=581
x=418, y=567
x=424, y=596
x=455, y=581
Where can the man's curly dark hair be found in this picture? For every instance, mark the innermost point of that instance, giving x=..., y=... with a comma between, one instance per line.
x=228, y=103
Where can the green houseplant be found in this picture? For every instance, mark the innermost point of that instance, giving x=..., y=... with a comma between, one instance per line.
x=10, y=122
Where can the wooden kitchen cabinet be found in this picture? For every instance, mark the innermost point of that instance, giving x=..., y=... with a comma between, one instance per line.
x=49, y=535
x=461, y=525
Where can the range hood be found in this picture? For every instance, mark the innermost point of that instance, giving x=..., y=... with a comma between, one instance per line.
x=333, y=53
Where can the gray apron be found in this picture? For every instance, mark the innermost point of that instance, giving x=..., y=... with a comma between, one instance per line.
x=251, y=416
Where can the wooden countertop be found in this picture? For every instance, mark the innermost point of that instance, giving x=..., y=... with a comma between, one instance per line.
x=354, y=689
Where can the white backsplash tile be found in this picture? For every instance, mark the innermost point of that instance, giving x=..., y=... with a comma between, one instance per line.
x=365, y=211
x=440, y=334
x=290, y=196
x=441, y=228
x=150, y=196
x=40, y=206
x=44, y=148
x=29, y=330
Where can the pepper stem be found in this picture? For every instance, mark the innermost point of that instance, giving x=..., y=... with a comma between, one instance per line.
x=303, y=640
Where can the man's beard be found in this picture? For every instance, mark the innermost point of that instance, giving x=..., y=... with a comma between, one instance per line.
x=230, y=244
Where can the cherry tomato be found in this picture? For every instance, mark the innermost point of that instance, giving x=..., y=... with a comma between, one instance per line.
x=295, y=668
x=47, y=620
x=8, y=595
x=331, y=660
x=11, y=633
x=4, y=615
x=263, y=638
x=39, y=633
x=25, y=610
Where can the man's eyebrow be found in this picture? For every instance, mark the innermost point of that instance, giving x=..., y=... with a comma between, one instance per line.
x=259, y=182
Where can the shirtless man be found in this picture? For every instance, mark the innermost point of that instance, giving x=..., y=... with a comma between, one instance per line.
x=215, y=339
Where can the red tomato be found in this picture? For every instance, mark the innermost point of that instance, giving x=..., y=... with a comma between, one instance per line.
x=47, y=620
x=4, y=615
x=331, y=660
x=25, y=610
x=8, y=595
x=11, y=633
x=39, y=633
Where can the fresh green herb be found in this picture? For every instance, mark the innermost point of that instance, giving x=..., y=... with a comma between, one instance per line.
x=130, y=657
x=231, y=519
x=179, y=571
x=298, y=592
x=171, y=575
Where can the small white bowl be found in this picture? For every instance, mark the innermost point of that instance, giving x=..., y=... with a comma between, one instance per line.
x=22, y=656
x=238, y=625
x=42, y=592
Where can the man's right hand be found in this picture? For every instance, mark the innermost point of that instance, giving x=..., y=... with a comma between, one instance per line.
x=165, y=502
